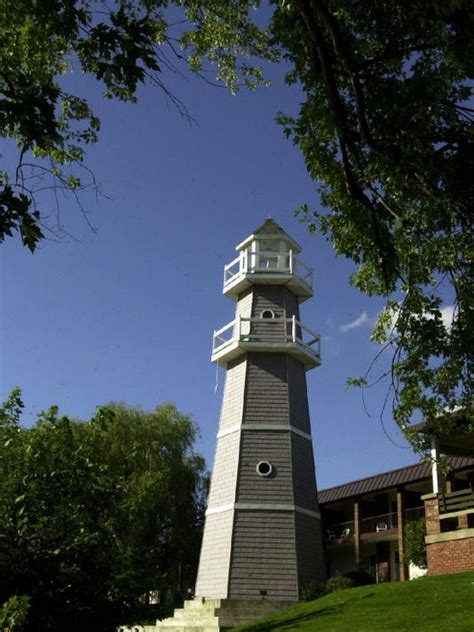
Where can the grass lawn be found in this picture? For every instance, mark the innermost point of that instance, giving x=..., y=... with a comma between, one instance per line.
x=434, y=604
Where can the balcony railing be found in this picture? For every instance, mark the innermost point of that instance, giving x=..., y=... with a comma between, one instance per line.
x=414, y=513
x=268, y=262
x=380, y=523
x=371, y=524
x=267, y=331
x=462, y=500
x=340, y=531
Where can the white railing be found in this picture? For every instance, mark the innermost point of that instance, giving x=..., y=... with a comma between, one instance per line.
x=274, y=262
x=259, y=330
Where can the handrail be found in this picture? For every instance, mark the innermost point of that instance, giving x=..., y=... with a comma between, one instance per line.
x=249, y=262
x=238, y=333
x=460, y=500
x=369, y=523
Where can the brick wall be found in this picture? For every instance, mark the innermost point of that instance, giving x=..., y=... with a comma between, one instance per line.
x=453, y=556
x=431, y=513
x=454, y=550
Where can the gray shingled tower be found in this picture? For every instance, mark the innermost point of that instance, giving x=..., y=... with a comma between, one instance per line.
x=262, y=536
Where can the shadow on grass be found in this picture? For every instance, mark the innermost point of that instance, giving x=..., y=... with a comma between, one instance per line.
x=292, y=623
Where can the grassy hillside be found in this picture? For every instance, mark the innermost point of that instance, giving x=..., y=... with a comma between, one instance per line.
x=428, y=604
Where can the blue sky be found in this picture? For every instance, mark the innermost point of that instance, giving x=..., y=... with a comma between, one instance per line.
x=126, y=313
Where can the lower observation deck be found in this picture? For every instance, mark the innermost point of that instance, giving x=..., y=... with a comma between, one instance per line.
x=279, y=335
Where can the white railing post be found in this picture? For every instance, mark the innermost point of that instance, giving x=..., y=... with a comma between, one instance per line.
x=293, y=328
x=239, y=327
x=434, y=465
x=291, y=261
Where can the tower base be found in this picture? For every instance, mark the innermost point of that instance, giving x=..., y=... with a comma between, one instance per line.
x=204, y=614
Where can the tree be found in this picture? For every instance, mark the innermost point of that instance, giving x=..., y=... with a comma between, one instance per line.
x=386, y=131
x=96, y=515
x=121, y=43
x=415, y=547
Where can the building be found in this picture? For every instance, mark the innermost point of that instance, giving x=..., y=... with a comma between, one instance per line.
x=364, y=521
x=262, y=535
x=262, y=541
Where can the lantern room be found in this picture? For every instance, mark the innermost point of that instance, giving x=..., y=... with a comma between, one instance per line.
x=268, y=256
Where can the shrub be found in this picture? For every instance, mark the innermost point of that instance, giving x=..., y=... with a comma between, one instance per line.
x=315, y=590
x=415, y=549
x=360, y=578
x=337, y=583
x=13, y=613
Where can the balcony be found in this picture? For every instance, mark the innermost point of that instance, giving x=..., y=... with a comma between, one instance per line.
x=279, y=335
x=460, y=501
x=340, y=533
x=415, y=513
x=379, y=524
x=271, y=268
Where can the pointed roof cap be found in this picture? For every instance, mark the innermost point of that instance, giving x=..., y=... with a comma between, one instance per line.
x=271, y=230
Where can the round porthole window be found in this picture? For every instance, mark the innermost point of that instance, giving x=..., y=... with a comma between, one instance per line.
x=264, y=468
x=267, y=313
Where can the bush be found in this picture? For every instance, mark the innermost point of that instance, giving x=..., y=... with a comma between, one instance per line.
x=337, y=583
x=415, y=549
x=314, y=589
x=360, y=578
x=13, y=613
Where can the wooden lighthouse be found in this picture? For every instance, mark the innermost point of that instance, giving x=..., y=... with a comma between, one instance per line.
x=262, y=536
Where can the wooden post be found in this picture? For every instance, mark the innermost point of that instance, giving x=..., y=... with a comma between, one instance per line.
x=357, y=544
x=434, y=465
x=401, y=535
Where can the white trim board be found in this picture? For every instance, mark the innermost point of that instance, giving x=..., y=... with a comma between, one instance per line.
x=263, y=507
x=279, y=427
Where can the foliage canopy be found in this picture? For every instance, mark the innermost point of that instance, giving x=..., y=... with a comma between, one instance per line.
x=385, y=128
x=386, y=131
x=121, y=43
x=415, y=547
x=97, y=515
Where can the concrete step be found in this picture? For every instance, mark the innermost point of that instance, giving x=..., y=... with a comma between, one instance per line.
x=186, y=628
x=212, y=615
x=201, y=619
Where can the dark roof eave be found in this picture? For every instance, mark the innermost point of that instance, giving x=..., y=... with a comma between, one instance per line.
x=387, y=480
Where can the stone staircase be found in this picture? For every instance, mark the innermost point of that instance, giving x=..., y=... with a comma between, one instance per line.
x=212, y=615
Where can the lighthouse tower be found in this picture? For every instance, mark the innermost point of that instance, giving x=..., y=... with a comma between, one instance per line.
x=262, y=535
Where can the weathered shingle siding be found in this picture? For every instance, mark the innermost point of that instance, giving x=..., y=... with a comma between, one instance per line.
x=233, y=399
x=255, y=566
x=266, y=393
x=290, y=304
x=264, y=298
x=303, y=473
x=214, y=563
x=268, y=297
x=269, y=446
x=310, y=552
x=224, y=475
x=298, y=398
x=244, y=304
